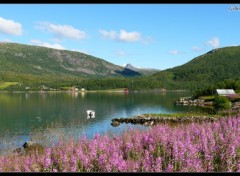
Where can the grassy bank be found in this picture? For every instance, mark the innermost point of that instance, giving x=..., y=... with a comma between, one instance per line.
x=4, y=85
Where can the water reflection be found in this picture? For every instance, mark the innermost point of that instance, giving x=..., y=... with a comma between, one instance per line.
x=82, y=94
x=22, y=111
x=27, y=95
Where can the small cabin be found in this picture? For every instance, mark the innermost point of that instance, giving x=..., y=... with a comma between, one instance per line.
x=225, y=92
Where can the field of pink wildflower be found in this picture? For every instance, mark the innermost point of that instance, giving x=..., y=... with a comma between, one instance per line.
x=205, y=147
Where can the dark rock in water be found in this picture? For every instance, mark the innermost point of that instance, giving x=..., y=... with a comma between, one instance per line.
x=31, y=147
x=142, y=121
x=113, y=120
x=18, y=150
x=128, y=121
x=134, y=121
x=151, y=121
x=121, y=120
x=115, y=123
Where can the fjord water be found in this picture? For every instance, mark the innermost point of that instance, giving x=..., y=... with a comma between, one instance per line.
x=23, y=112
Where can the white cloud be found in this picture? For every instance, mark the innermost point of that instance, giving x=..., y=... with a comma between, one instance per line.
x=45, y=44
x=62, y=31
x=56, y=40
x=129, y=36
x=10, y=27
x=147, y=40
x=176, y=52
x=173, y=52
x=125, y=36
x=197, y=49
x=214, y=42
x=120, y=53
x=108, y=34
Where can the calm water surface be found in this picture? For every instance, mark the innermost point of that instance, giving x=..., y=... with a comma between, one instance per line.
x=23, y=113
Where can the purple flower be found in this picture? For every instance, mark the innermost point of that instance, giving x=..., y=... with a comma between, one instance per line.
x=47, y=163
x=158, y=165
x=170, y=168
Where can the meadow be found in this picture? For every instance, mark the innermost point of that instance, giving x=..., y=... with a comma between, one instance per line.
x=4, y=85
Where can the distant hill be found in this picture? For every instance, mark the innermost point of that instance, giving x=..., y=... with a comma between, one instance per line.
x=212, y=67
x=20, y=62
x=142, y=71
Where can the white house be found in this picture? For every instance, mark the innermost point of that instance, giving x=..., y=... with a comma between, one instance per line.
x=225, y=91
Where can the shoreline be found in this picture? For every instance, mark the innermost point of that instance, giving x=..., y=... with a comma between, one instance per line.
x=93, y=91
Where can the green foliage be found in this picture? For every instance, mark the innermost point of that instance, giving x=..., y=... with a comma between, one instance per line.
x=222, y=103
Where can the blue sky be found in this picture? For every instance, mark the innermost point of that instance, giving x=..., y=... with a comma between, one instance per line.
x=146, y=35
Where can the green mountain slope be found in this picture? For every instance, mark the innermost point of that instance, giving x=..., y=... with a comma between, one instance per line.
x=210, y=68
x=20, y=62
x=216, y=69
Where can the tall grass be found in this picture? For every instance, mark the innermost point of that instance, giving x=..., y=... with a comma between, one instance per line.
x=205, y=147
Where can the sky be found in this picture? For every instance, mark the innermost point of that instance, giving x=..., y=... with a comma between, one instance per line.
x=159, y=36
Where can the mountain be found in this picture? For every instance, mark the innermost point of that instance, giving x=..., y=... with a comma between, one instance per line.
x=142, y=71
x=218, y=68
x=210, y=68
x=19, y=62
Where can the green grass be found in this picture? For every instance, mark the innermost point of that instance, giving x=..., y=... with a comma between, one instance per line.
x=209, y=97
x=4, y=85
x=182, y=115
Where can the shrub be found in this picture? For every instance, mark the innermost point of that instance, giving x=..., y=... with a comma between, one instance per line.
x=222, y=103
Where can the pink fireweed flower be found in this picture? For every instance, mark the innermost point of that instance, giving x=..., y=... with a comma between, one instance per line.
x=102, y=160
x=27, y=164
x=47, y=158
x=73, y=163
x=129, y=145
x=170, y=168
x=158, y=165
x=121, y=165
x=147, y=162
x=47, y=163
x=108, y=168
x=55, y=170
